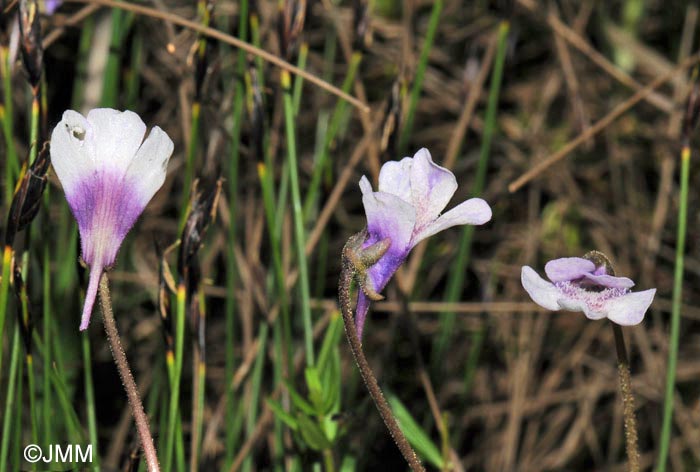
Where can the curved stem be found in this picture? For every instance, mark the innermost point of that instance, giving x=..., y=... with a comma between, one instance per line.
x=370, y=380
x=623, y=370
x=132, y=391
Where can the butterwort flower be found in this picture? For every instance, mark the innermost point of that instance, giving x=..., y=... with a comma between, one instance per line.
x=406, y=210
x=587, y=285
x=109, y=174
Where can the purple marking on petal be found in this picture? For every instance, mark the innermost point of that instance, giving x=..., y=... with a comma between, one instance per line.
x=106, y=207
x=595, y=301
x=609, y=281
x=361, y=313
x=568, y=268
x=51, y=6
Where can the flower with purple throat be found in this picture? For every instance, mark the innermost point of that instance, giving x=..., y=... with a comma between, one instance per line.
x=109, y=173
x=406, y=210
x=589, y=285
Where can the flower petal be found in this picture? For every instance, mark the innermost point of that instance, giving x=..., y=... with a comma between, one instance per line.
x=147, y=170
x=105, y=209
x=629, y=309
x=432, y=188
x=117, y=136
x=568, y=268
x=574, y=304
x=389, y=217
x=361, y=312
x=474, y=211
x=610, y=281
x=71, y=152
x=544, y=293
x=395, y=178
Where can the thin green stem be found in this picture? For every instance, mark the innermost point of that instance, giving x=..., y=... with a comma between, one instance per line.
x=457, y=273
x=175, y=380
x=235, y=78
x=9, y=401
x=298, y=218
x=90, y=400
x=420, y=74
x=255, y=389
x=4, y=288
x=675, y=312
x=7, y=116
x=339, y=113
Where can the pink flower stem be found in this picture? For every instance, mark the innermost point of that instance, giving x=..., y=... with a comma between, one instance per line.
x=630, y=421
x=132, y=391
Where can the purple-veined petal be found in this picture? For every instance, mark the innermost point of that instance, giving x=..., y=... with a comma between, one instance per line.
x=629, y=309
x=432, y=188
x=147, y=170
x=395, y=178
x=610, y=281
x=361, y=312
x=388, y=217
x=117, y=137
x=106, y=208
x=568, y=268
x=544, y=293
x=474, y=211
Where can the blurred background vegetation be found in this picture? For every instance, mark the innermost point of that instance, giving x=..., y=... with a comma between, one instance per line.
x=246, y=327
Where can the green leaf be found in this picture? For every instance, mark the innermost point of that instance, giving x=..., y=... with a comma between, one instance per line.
x=299, y=401
x=278, y=410
x=313, y=382
x=334, y=332
x=418, y=438
x=312, y=434
x=331, y=384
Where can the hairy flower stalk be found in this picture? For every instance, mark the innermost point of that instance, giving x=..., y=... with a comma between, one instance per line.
x=406, y=209
x=589, y=284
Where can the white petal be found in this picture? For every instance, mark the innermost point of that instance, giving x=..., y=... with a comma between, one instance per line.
x=432, y=188
x=365, y=186
x=395, y=178
x=147, y=170
x=542, y=292
x=629, y=310
x=117, y=137
x=389, y=217
x=71, y=152
x=474, y=211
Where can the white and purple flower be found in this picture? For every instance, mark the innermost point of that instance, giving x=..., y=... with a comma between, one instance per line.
x=406, y=210
x=579, y=284
x=109, y=174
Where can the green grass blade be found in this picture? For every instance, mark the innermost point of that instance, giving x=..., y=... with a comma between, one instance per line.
x=420, y=75
x=677, y=299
